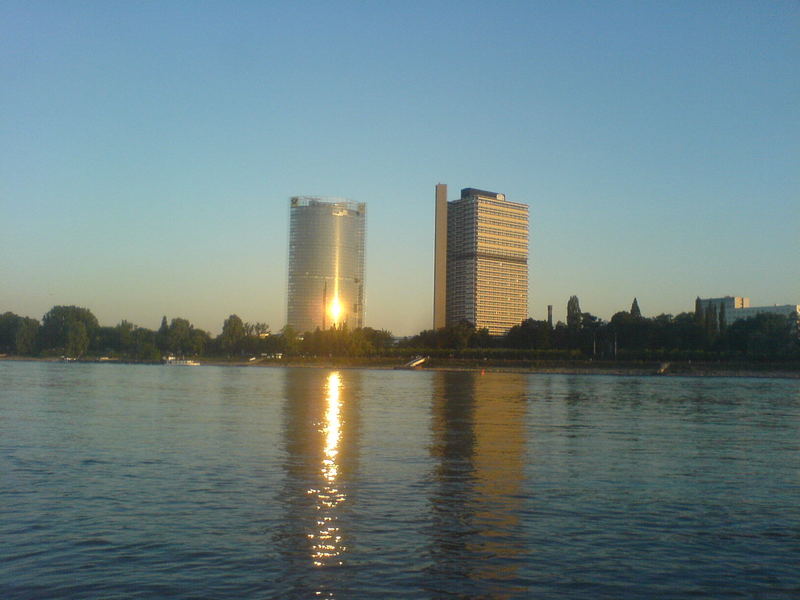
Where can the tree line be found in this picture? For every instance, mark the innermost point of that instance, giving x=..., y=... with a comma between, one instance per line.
x=74, y=331
x=704, y=334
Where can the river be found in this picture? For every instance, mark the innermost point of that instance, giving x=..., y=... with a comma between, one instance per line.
x=126, y=481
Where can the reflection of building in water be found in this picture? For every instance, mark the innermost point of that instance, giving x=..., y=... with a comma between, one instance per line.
x=321, y=425
x=479, y=440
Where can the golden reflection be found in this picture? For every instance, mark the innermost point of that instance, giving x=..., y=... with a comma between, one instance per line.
x=479, y=441
x=326, y=540
x=335, y=309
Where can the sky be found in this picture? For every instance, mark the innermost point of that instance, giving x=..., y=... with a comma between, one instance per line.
x=148, y=150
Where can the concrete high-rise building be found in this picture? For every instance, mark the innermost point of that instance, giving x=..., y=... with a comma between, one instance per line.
x=326, y=263
x=486, y=242
x=440, y=259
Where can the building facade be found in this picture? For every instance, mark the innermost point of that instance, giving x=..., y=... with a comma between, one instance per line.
x=326, y=263
x=486, y=278
x=726, y=303
x=736, y=308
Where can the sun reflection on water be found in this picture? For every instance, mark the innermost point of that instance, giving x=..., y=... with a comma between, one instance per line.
x=327, y=544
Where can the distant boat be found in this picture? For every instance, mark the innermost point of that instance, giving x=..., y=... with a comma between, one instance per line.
x=180, y=362
x=415, y=362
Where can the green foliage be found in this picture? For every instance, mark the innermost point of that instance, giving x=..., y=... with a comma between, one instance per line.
x=711, y=324
x=342, y=342
x=529, y=334
x=179, y=336
x=77, y=339
x=142, y=344
x=380, y=339
x=290, y=339
x=233, y=333
x=635, y=312
x=699, y=336
x=25, y=341
x=9, y=325
x=58, y=321
x=336, y=341
x=199, y=340
x=573, y=314
x=764, y=336
x=455, y=336
x=162, y=336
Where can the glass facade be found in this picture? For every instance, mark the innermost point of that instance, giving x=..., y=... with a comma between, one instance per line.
x=326, y=263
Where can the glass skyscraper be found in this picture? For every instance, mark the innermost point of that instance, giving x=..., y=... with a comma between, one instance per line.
x=326, y=263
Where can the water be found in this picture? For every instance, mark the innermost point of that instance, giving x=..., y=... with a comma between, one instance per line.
x=177, y=482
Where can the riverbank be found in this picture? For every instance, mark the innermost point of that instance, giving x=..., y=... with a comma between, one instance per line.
x=574, y=367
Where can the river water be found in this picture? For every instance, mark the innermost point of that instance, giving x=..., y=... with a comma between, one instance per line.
x=122, y=481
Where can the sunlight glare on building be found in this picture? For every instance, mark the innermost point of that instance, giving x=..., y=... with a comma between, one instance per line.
x=326, y=263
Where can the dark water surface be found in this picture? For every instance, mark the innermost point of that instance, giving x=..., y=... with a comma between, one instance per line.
x=207, y=482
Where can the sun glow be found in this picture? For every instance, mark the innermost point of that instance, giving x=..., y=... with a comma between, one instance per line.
x=335, y=310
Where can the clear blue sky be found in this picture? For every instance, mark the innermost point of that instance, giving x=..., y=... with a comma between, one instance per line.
x=148, y=149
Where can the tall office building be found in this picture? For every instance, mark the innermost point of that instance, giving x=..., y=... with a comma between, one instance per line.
x=326, y=263
x=486, y=245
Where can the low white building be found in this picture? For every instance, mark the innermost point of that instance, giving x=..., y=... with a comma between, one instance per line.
x=738, y=308
x=787, y=310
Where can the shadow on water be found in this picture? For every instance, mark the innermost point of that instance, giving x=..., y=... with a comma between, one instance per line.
x=479, y=445
x=321, y=431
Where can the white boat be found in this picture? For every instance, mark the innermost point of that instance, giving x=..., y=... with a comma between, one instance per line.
x=415, y=362
x=180, y=362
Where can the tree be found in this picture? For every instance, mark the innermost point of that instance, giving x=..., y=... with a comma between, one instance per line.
x=481, y=339
x=9, y=325
x=457, y=335
x=77, y=339
x=591, y=326
x=380, y=339
x=766, y=335
x=260, y=329
x=125, y=336
x=179, y=336
x=27, y=333
x=198, y=341
x=630, y=333
x=162, y=336
x=233, y=332
x=290, y=340
x=573, y=321
x=635, y=312
x=688, y=332
x=529, y=334
x=573, y=313
x=143, y=344
x=699, y=316
x=56, y=323
x=711, y=324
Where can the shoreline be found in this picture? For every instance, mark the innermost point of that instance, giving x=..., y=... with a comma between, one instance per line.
x=678, y=369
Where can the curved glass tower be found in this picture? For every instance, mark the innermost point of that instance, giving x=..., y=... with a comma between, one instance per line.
x=326, y=263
